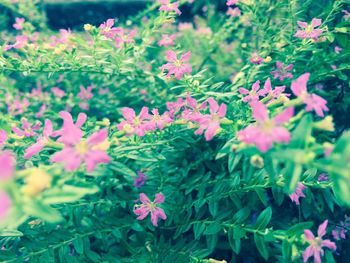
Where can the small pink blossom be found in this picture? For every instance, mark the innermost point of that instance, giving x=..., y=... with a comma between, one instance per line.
x=266, y=131
x=21, y=42
x=70, y=133
x=192, y=112
x=3, y=137
x=28, y=130
x=167, y=40
x=256, y=59
x=108, y=30
x=85, y=94
x=140, y=179
x=309, y=31
x=177, y=67
x=5, y=204
x=19, y=23
x=142, y=210
x=254, y=93
x=185, y=26
x=340, y=231
x=316, y=244
x=122, y=37
x=282, y=72
x=58, y=92
x=312, y=101
x=41, y=111
x=299, y=192
x=346, y=14
x=211, y=123
x=175, y=107
x=323, y=177
x=17, y=106
x=159, y=121
x=273, y=93
x=63, y=38
x=90, y=151
x=234, y=12
x=103, y=91
x=231, y=2
x=133, y=124
x=7, y=165
x=41, y=141
x=167, y=6
x=337, y=49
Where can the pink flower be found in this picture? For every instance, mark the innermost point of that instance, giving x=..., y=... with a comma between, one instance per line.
x=175, y=107
x=340, y=231
x=7, y=165
x=29, y=130
x=192, y=111
x=298, y=193
x=346, y=14
x=19, y=23
x=273, y=93
x=159, y=121
x=3, y=137
x=70, y=133
x=85, y=94
x=315, y=248
x=312, y=101
x=211, y=123
x=282, y=72
x=16, y=106
x=322, y=177
x=253, y=94
x=5, y=204
x=41, y=111
x=58, y=92
x=266, y=131
x=234, y=12
x=167, y=40
x=62, y=39
x=176, y=66
x=231, y=2
x=142, y=210
x=133, y=124
x=168, y=7
x=140, y=180
x=41, y=141
x=337, y=49
x=108, y=30
x=256, y=59
x=309, y=31
x=21, y=42
x=103, y=91
x=122, y=38
x=185, y=26
x=91, y=151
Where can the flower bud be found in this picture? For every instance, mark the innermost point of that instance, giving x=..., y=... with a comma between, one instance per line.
x=326, y=124
x=257, y=161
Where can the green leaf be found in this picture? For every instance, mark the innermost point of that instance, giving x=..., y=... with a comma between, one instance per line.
x=263, y=219
x=235, y=243
x=43, y=211
x=198, y=229
x=302, y=132
x=241, y=215
x=233, y=161
x=10, y=233
x=292, y=177
x=298, y=228
x=261, y=246
x=122, y=169
x=78, y=245
x=68, y=193
x=212, y=229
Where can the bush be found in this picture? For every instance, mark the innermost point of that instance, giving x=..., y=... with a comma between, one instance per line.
x=158, y=141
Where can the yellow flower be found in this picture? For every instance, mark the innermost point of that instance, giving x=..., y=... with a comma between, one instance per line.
x=36, y=181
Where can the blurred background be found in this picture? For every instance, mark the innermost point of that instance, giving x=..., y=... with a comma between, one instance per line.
x=74, y=14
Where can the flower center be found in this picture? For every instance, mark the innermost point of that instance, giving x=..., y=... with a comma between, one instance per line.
x=267, y=126
x=82, y=147
x=178, y=63
x=309, y=29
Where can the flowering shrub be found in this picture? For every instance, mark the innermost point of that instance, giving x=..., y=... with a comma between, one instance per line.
x=223, y=139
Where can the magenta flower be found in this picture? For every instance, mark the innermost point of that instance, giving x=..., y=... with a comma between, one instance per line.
x=234, y=12
x=70, y=133
x=85, y=94
x=7, y=165
x=282, y=72
x=21, y=42
x=133, y=124
x=323, y=177
x=312, y=101
x=122, y=38
x=256, y=59
x=5, y=204
x=231, y=2
x=168, y=7
x=41, y=141
x=58, y=92
x=309, y=31
x=175, y=107
x=177, y=67
x=19, y=23
x=28, y=130
x=17, y=106
x=340, y=231
x=108, y=30
x=253, y=94
x=41, y=111
x=159, y=121
x=91, y=151
x=315, y=248
x=103, y=91
x=192, y=111
x=3, y=137
x=167, y=40
x=266, y=131
x=273, y=93
x=142, y=210
x=211, y=123
x=337, y=49
x=298, y=193
x=140, y=179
